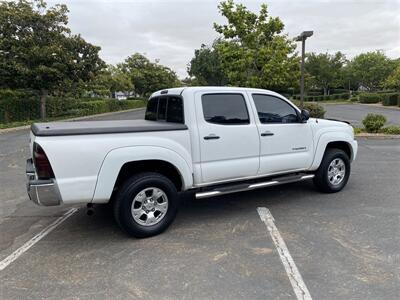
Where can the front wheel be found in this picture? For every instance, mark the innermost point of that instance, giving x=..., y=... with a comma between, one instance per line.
x=146, y=204
x=334, y=171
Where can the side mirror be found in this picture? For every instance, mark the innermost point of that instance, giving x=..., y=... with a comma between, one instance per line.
x=305, y=115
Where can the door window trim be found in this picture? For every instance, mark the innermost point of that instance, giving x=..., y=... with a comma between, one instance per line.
x=227, y=93
x=281, y=99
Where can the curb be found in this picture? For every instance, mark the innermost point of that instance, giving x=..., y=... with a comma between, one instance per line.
x=12, y=129
x=377, y=136
x=391, y=107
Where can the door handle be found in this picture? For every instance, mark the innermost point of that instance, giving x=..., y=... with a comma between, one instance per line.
x=267, y=133
x=211, y=137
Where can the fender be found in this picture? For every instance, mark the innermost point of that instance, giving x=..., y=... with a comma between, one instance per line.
x=332, y=136
x=116, y=158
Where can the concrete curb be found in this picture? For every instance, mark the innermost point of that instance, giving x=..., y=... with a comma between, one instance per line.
x=390, y=107
x=12, y=129
x=377, y=135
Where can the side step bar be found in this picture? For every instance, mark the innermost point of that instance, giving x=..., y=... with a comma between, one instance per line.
x=252, y=186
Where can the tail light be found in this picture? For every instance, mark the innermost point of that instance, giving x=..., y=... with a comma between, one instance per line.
x=42, y=164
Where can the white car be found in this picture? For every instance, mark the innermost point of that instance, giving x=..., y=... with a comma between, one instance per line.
x=209, y=140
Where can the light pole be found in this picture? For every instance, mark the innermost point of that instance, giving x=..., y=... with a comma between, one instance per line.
x=302, y=38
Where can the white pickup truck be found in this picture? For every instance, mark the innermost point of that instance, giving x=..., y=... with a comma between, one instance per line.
x=209, y=140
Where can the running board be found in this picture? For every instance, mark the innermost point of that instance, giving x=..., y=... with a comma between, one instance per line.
x=247, y=187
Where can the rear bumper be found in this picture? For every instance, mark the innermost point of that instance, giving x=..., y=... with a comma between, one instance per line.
x=41, y=192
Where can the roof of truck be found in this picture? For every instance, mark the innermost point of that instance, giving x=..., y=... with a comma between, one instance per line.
x=179, y=91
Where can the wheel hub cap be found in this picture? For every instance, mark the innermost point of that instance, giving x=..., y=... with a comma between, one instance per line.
x=336, y=171
x=149, y=206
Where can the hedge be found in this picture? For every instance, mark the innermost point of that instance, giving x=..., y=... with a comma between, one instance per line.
x=18, y=106
x=385, y=98
x=391, y=99
x=344, y=96
x=370, y=97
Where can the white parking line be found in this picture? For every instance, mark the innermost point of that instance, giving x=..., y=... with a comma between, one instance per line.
x=299, y=287
x=25, y=247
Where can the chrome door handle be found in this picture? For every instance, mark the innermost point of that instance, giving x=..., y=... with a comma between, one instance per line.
x=211, y=137
x=267, y=133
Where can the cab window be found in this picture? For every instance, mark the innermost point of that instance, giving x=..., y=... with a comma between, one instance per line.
x=225, y=109
x=271, y=109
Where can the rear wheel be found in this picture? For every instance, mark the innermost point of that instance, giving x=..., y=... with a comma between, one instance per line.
x=146, y=204
x=334, y=171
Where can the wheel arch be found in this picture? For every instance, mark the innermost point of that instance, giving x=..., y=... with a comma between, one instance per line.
x=127, y=161
x=333, y=140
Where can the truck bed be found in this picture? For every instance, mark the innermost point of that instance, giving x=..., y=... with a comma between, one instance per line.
x=102, y=127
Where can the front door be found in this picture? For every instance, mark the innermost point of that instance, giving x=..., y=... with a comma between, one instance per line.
x=229, y=141
x=286, y=142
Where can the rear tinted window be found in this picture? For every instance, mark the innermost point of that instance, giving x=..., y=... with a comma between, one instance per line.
x=165, y=108
x=226, y=109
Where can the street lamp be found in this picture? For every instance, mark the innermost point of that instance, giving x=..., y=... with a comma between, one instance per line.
x=302, y=38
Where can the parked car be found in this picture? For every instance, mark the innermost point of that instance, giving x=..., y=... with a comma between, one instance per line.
x=209, y=140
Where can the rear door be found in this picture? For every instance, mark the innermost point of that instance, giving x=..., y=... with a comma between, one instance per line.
x=229, y=140
x=286, y=141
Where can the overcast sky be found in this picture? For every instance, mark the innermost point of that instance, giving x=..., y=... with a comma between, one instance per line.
x=171, y=30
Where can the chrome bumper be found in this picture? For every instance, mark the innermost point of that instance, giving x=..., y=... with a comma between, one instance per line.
x=41, y=192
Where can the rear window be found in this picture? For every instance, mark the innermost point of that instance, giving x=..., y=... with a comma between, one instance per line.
x=165, y=108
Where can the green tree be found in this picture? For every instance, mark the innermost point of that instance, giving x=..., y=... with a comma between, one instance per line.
x=371, y=69
x=38, y=51
x=109, y=81
x=325, y=69
x=206, y=67
x=148, y=76
x=254, y=52
x=393, y=81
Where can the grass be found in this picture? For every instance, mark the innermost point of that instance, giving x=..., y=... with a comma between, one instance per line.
x=391, y=130
x=336, y=101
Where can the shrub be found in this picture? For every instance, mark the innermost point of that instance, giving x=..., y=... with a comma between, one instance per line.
x=18, y=106
x=338, y=91
x=390, y=99
x=342, y=96
x=390, y=130
x=316, y=110
x=354, y=99
x=374, y=122
x=370, y=97
x=357, y=130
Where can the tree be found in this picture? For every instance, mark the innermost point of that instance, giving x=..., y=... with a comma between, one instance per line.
x=38, y=51
x=371, y=69
x=148, y=76
x=206, y=67
x=109, y=81
x=325, y=69
x=393, y=81
x=254, y=52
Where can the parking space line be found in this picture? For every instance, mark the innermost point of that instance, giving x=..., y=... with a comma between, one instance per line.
x=25, y=247
x=298, y=285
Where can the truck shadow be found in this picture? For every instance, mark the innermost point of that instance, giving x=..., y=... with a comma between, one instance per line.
x=194, y=213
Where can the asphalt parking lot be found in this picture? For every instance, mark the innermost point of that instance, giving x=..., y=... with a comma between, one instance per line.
x=355, y=113
x=345, y=245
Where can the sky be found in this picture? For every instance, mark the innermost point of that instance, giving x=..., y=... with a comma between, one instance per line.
x=171, y=30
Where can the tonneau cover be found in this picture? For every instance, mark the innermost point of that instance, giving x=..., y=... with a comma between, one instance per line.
x=102, y=127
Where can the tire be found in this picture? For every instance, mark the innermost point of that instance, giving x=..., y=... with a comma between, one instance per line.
x=326, y=180
x=139, y=209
